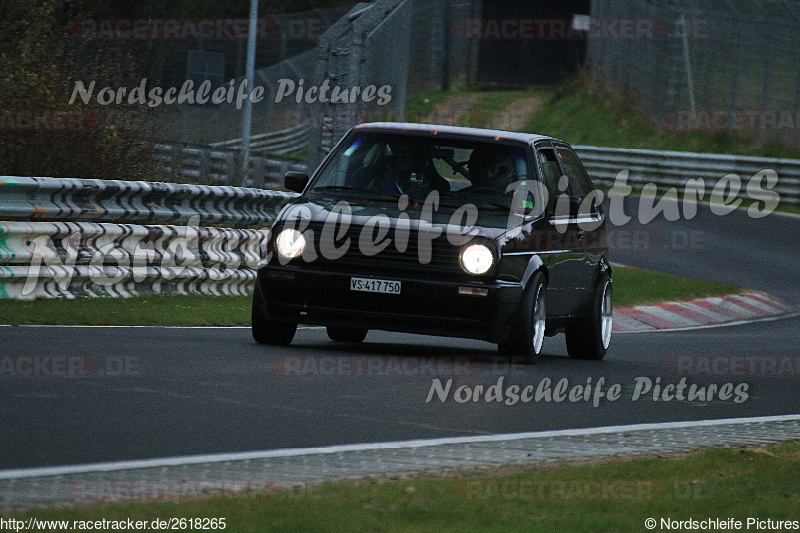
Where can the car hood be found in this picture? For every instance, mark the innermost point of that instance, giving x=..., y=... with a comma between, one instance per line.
x=491, y=223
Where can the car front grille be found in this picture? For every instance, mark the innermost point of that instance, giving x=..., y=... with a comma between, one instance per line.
x=436, y=254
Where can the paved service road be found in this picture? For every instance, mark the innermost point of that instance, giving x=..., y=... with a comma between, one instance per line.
x=158, y=392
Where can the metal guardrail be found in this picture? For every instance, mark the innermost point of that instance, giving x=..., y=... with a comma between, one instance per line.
x=220, y=165
x=275, y=142
x=95, y=200
x=69, y=259
x=79, y=237
x=673, y=169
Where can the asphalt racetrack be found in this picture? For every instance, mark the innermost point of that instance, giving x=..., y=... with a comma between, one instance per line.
x=156, y=392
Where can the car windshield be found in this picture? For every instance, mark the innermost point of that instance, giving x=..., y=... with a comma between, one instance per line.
x=386, y=166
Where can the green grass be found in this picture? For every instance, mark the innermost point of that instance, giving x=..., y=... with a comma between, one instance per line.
x=722, y=483
x=581, y=111
x=630, y=287
x=488, y=104
x=161, y=310
x=635, y=287
x=491, y=104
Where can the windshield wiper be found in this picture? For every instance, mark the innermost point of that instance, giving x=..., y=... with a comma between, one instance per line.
x=450, y=200
x=346, y=188
x=368, y=193
x=494, y=205
x=338, y=188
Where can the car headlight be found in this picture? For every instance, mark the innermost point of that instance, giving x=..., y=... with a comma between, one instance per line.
x=290, y=243
x=476, y=259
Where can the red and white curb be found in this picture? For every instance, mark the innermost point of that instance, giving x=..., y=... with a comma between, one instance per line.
x=700, y=312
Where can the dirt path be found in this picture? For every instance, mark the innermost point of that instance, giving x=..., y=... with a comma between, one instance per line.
x=517, y=114
x=457, y=111
x=454, y=112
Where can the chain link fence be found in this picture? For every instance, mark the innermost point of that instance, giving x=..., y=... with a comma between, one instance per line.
x=706, y=65
x=285, y=44
x=368, y=48
x=365, y=59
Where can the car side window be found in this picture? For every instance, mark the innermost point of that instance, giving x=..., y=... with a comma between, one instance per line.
x=579, y=182
x=550, y=170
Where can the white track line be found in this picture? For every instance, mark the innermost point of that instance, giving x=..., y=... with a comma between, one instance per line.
x=396, y=445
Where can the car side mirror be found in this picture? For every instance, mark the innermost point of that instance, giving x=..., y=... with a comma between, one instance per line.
x=295, y=181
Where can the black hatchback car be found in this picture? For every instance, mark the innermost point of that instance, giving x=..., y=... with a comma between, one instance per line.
x=441, y=230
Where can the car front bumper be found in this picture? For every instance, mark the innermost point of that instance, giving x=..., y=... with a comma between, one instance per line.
x=425, y=306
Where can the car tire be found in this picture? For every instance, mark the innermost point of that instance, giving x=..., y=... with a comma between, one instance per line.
x=590, y=338
x=266, y=327
x=525, y=340
x=349, y=335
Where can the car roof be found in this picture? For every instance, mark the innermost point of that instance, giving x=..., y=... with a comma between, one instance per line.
x=489, y=134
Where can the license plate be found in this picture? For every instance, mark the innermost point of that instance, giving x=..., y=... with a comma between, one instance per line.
x=384, y=286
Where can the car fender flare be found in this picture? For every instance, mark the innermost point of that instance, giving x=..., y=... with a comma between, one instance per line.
x=535, y=264
x=602, y=268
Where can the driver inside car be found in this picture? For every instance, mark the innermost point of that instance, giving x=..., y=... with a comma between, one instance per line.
x=406, y=172
x=490, y=169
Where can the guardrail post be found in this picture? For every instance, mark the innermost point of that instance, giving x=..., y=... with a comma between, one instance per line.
x=230, y=168
x=203, y=167
x=177, y=163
